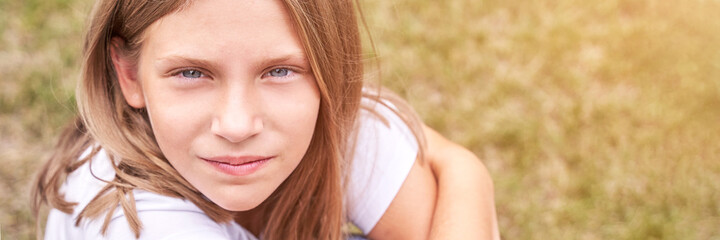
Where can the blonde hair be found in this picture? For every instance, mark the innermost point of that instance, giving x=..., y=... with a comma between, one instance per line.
x=307, y=205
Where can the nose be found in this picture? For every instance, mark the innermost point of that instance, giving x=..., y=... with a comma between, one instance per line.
x=237, y=117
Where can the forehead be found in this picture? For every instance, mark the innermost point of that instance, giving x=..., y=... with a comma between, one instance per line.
x=224, y=28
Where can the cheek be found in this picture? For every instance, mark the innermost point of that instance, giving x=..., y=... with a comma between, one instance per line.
x=295, y=114
x=176, y=120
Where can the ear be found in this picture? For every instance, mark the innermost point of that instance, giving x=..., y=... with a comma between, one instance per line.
x=126, y=74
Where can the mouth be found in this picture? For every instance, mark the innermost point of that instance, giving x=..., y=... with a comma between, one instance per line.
x=238, y=166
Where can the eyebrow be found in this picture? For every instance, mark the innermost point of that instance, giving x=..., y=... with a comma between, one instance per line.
x=298, y=58
x=183, y=60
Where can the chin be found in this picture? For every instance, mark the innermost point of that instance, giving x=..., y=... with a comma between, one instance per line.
x=238, y=205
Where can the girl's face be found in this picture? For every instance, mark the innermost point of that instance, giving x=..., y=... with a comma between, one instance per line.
x=231, y=97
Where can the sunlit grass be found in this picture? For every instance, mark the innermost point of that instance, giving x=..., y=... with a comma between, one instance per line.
x=39, y=46
x=597, y=119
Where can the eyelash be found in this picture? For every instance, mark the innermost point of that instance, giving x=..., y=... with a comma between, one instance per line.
x=189, y=80
x=290, y=72
x=201, y=74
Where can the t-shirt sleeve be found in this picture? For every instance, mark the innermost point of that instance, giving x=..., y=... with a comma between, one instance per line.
x=168, y=218
x=168, y=225
x=384, y=154
x=177, y=224
x=162, y=217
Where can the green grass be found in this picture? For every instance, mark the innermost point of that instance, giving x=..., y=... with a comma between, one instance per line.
x=597, y=119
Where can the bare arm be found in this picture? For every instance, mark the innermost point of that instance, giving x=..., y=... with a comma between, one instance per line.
x=449, y=195
x=409, y=216
x=465, y=206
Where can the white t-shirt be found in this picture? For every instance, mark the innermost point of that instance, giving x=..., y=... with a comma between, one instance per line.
x=382, y=160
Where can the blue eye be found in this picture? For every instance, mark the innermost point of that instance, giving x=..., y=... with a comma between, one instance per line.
x=279, y=72
x=192, y=74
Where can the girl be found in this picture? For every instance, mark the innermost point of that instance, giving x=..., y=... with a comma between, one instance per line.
x=195, y=116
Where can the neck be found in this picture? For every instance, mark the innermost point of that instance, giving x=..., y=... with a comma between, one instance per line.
x=252, y=220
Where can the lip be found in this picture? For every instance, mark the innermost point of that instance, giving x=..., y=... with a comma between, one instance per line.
x=238, y=166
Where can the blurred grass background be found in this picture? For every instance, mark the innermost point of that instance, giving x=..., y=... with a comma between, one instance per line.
x=597, y=119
